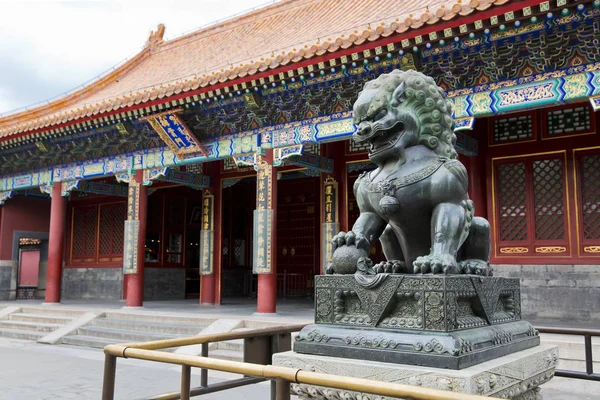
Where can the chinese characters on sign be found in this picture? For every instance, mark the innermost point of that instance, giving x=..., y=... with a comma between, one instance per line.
x=263, y=219
x=175, y=133
x=207, y=234
x=132, y=229
x=330, y=219
x=331, y=212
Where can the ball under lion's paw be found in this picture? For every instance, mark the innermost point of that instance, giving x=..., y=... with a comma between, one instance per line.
x=344, y=260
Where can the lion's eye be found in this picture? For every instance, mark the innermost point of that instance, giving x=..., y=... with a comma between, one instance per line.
x=380, y=114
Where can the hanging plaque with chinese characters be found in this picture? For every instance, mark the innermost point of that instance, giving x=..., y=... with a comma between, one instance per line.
x=131, y=246
x=207, y=234
x=331, y=192
x=262, y=250
x=132, y=229
x=263, y=219
x=330, y=219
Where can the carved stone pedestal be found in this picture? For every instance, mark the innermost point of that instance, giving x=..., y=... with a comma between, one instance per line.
x=453, y=321
x=515, y=376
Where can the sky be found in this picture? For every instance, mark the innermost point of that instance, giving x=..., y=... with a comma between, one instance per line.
x=50, y=47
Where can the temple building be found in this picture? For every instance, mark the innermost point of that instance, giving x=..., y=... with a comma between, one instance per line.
x=218, y=164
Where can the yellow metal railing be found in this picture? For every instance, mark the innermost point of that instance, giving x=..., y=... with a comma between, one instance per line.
x=259, y=346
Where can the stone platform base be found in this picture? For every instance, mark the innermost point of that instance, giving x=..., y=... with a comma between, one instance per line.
x=516, y=376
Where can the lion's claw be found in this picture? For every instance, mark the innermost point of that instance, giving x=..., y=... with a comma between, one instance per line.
x=476, y=267
x=350, y=239
x=436, y=264
x=390, y=267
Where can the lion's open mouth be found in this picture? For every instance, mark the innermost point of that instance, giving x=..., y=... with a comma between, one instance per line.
x=384, y=142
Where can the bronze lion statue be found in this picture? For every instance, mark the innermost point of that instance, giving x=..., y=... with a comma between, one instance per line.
x=416, y=201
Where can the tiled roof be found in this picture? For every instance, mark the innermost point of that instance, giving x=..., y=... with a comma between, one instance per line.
x=285, y=32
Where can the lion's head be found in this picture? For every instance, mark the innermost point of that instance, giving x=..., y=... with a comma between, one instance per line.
x=400, y=110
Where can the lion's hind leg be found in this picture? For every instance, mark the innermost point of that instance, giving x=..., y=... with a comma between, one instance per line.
x=475, y=252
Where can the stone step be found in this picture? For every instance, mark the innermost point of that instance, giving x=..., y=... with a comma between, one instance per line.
x=236, y=344
x=149, y=326
x=21, y=334
x=224, y=354
x=573, y=348
x=122, y=335
x=52, y=311
x=93, y=341
x=48, y=319
x=185, y=320
x=29, y=326
x=575, y=365
x=89, y=341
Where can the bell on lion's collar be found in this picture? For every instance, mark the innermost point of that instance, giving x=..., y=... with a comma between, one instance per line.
x=389, y=205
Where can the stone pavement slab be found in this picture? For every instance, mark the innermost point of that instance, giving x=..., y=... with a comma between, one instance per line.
x=30, y=371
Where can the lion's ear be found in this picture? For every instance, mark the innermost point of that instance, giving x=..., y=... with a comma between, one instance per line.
x=398, y=95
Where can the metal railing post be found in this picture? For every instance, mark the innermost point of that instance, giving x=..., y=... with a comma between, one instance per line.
x=204, y=371
x=589, y=360
x=186, y=374
x=108, y=383
x=282, y=390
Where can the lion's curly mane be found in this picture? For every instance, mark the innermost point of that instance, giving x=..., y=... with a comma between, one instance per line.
x=427, y=102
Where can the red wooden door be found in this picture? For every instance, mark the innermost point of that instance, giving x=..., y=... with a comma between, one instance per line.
x=29, y=267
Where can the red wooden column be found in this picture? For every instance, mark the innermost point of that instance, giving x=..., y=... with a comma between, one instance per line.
x=56, y=241
x=135, y=281
x=267, y=199
x=477, y=189
x=210, y=288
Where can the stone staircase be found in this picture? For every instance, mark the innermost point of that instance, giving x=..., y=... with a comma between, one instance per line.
x=234, y=349
x=115, y=327
x=571, y=351
x=31, y=323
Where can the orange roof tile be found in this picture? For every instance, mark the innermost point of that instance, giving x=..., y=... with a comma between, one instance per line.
x=276, y=35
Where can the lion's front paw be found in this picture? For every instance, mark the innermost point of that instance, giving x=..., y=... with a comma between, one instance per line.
x=436, y=264
x=390, y=267
x=350, y=239
x=476, y=267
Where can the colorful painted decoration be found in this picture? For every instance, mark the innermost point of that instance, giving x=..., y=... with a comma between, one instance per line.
x=175, y=134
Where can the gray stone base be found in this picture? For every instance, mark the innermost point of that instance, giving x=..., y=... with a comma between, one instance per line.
x=164, y=283
x=453, y=350
x=92, y=283
x=8, y=280
x=515, y=376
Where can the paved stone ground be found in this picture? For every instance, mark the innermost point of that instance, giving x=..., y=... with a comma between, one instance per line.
x=31, y=371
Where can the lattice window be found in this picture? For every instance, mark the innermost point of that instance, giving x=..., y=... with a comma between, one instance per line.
x=357, y=148
x=513, y=128
x=589, y=171
x=229, y=164
x=568, y=121
x=78, y=233
x=194, y=168
x=91, y=216
x=312, y=148
x=85, y=223
x=119, y=216
x=548, y=199
x=512, y=202
x=106, y=221
x=111, y=229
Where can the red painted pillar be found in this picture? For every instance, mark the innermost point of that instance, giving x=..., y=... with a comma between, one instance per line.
x=135, y=282
x=340, y=173
x=210, y=288
x=56, y=243
x=476, y=173
x=267, y=283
